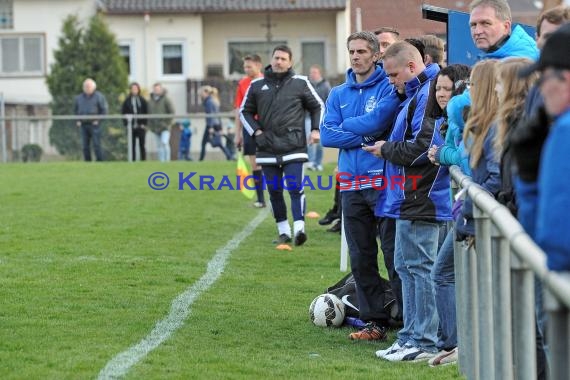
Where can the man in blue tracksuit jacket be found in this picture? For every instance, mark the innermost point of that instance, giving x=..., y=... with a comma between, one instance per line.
x=358, y=112
x=417, y=197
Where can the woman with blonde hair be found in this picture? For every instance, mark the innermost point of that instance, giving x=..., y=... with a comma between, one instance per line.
x=512, y=92
x=213, y=130
x=478, y=139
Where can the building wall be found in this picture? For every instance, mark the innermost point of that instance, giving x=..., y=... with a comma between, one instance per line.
x=146, y=37
x=41, y=17
x=294, y=28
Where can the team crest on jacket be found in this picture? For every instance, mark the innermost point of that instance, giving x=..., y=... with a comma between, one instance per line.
x=370, y=104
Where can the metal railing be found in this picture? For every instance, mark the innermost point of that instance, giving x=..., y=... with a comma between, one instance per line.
x=17, y=122
x=495, y=297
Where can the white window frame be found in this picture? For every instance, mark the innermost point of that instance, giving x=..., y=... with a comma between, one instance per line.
x=42, y=56
x=132, y=57
x=325, y=51
x=265, y=60
x=173, y=41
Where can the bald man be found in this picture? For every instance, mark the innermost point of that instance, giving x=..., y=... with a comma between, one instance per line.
x=90, y=102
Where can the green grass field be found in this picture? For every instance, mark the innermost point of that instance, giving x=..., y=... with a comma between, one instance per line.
x=91, y=259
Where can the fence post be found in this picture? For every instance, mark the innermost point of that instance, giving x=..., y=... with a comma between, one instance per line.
x=461, y=294
x=503, y=336
x=3, y=129
x=524, y=328
x=485, y=289
x=558, y=334
x=130, y=137
x=472, y=301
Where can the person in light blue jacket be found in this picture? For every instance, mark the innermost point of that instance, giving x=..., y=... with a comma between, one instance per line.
x=358, y=112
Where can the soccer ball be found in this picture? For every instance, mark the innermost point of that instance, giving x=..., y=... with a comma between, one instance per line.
x=327, y=310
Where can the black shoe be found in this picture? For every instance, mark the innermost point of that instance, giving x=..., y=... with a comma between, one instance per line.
x=328, y=219
x=282, y=239
x=337, y=227
x=300, y=238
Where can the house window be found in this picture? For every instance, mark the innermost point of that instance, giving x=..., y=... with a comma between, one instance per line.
x=313, y=54
x=172, y=59
x=6, y=14
x=21, y=55
x=126, y=51
x=238, y=50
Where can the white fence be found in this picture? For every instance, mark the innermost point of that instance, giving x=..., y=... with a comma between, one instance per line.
x=495, y=297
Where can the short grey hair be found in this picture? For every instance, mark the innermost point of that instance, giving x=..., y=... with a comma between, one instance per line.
x=366, y=36
x=501, y=7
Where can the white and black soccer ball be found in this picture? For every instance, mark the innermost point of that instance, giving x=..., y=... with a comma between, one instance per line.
x=327, y=310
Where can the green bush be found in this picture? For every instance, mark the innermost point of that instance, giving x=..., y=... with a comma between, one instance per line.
x=32, y=153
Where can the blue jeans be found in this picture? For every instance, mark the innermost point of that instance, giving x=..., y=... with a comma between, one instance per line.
x=415, y=252
x=315, y=152
x=443, y=276
x=90, y=132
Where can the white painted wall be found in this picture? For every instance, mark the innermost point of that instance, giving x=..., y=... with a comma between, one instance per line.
x=45, y=17
x=146, y=38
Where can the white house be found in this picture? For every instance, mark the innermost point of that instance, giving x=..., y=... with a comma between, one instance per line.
x=171, y=41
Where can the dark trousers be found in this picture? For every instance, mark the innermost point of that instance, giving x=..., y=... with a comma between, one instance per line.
x=215, y=141
x=360, y=228
x=90, y=132
x=274, y=177
x=139, y=133
x=387, y=233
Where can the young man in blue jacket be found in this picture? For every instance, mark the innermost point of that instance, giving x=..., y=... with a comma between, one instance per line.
x=358, y=112
x=420, y=205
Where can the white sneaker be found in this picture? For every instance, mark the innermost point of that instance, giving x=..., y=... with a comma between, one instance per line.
x=388, y=351
x=410, y=354
x=444, y=358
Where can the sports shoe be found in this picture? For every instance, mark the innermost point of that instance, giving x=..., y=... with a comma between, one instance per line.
x=370, y=332
x=282, y=239
x=300, y=238
x=410, y=354
x=444, y=358
x=328, y=218
x=259, y=204
x=390, y=350
x=319, y=168
x=336, y=227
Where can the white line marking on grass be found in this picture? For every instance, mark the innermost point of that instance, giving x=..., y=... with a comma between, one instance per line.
x=180, y=308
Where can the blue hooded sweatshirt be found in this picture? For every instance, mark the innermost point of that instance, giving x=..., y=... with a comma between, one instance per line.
x=358, y=113
x=424, y=195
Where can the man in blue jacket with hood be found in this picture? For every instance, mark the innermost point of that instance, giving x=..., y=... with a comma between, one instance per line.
x=358, y=112
x=420, y=204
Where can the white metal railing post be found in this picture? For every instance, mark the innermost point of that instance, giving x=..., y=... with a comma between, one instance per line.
x=558, y=334
x=461, y=294
x=343, y=247
x=503, y=336
x=472, y=300
x=3, y=129
x=130, y=137
x=485, y=293
x=524, y=328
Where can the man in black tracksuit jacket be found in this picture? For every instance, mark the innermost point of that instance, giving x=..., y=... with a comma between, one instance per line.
x=273, y=112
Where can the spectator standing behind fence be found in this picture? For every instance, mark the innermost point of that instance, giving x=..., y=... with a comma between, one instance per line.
x=323, y=88
x=281, y=99
x=90, y=102
x=185, y=140
x=360, y=111
x=213, y=132
x=160, y=104
x=420, y=208
x=553, y=200
x=443, y=273
x=434, y=49
x=136, y=105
